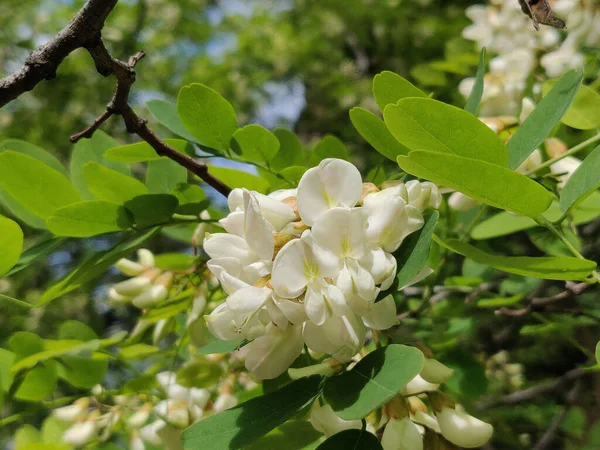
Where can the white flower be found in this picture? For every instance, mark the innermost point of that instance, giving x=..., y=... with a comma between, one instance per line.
x=565, y=168
x=382, y=315
x=461, y=202
x=462, y=429
x=340, y=336
x=323, y=419
x=271, y=354
x=80, y=433
x=223, y=402
x=401, y=434
x=332, y=183
x=418, y=385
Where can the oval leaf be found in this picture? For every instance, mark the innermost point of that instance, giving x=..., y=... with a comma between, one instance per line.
x=141, y=151
x=88, y=218
x=373, y=381
x=328, y=147
x=92, y=150
x=389, y=87
x=207, y=115
x=547, y=267
x=240, y=426
x=584, y=181
x=111, y=186
x=163, y=175
x=426, y=124
x=238, y=179
x=352, y=439
x=255, y=143
x=477, y=91
x=488, y=183
x=152, y=209
x=37, y=187
x=34, y=151
x=166, y=113
x=543, y=118
x=291, y=152
x=11, y=244
x=584, y=113
x=374, y=131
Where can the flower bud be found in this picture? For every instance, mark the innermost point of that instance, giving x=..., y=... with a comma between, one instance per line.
x=323, y=419
x=129, y=267
x=418, y=385
x=133, y=286
x=462, y=429
x=199, y=397
x=461, y=202
x=149, y=432
x=80, y=433
x=401, y=434
x=116, y=298
x=434, y=371
x=161, y=330
x=555, y=147
x=145, y=257
x=138, y=418
x=151, y=297
x=72, y=412
x=426, y=420
x=223, y=402
x=327, y=368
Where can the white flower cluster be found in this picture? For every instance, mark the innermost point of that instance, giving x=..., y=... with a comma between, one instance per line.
x=305, y=266
x=146, y=419
x=503, y=29
x=408, y=423
x=149, y=285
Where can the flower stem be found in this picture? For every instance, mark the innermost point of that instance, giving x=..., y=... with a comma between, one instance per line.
x=569, y=152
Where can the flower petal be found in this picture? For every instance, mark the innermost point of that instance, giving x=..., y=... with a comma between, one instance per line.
x=257, y=231
x=342, y=231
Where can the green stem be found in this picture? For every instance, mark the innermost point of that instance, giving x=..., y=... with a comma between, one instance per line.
x=569, y=152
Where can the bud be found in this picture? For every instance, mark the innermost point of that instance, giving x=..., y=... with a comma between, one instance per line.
x=149, y=432
x=367, y=188
x=527, y=107
x=555, y=147
x=199, y=234
x=463, y=430
x=138, y=418
x=72, y=412
x=199, y=397
x=80, y=433
x=129, y=267
x=161, y=330
x=323, y=419
x=133, y=286
x=401, y=434
x=223, y=402
x=461, y=202
x=151, y=297
x=327, y=368
x=423, y=194
x=434, y=371
x=174, y=412
x=145, y=257
x=426, y=420
x=116, y=298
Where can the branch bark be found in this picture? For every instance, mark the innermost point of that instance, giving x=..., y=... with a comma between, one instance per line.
x=85, y=31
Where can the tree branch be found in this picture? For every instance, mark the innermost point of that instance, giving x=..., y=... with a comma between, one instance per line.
x=85, y=31
x=82, y=32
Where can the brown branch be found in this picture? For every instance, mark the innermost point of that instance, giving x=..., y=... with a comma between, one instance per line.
x=536, y=303
x=535, y=391
x=85, y=31
x=119, y=106
x=82, y=32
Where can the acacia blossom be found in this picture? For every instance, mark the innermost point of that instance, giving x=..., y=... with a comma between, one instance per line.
x=305, y=266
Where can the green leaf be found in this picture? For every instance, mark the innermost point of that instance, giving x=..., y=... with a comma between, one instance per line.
x=163, y=175
x=188, y=193
x=413, y=254
x=426, y=124
x=240, y=426
x=166, y=113
x=6, y=376
x=292, y=435
x=14, y=301
x=73, y=329
x=32, y=254
x=328, y=147
x=174, y=261
x=238, y=179
x=38, y=188
x=486, y=182
x=207, y=116
x=11, y=244
x=352, y=439
x=469, y=379
x=547, y=267
x=88, y=218
x=218, y=346
x=583, y=182
x=110, y=185
x=199, y=373
x=137, y=351
x=38, y=383
x=15, y=208
x=477, y=91
x=95, y=266
x=293, y=174
x=597, y=353
x=291, y=152
x=584, y=113
x=92, y=150
x=389, y=87
x=505, y=223
x=152, y=209
x=34, y=151
x=24, y=343
x=543, y=118
x=373, y=381
x=255, y=143
x=375, y=132
x=142, y=151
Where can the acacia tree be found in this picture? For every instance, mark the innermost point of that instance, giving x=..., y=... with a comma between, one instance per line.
x=323, y=301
